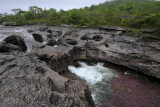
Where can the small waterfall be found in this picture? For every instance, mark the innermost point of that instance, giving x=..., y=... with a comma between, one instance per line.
x=30, y=45
x=44, y=39
x=24, y=33
x=28, y=39
x=2, y=37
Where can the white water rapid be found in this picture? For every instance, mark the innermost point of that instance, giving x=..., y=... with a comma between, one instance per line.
x=97, y=77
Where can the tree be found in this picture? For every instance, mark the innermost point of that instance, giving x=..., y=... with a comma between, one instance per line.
x=35, y=11
x=17, y=11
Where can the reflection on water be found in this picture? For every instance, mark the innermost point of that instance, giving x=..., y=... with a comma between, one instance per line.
x=113, y=88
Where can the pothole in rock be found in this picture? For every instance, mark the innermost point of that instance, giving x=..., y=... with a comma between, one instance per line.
x=84, y=38
x=106, y=45
x=17, y=40
x=49, y=31
x=52, y=42
x=39, y=38
x=97, y=38
x=71, y=42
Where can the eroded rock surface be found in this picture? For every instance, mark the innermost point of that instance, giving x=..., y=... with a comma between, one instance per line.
x=26, y=81
x=31, y=67
x=139, y=52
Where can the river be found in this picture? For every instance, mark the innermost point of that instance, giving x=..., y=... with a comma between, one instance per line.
x=112, y=87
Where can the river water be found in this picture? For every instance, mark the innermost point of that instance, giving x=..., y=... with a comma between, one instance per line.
x=112, y=87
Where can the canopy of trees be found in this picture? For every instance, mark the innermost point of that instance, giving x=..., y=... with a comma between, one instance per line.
x=128, y=13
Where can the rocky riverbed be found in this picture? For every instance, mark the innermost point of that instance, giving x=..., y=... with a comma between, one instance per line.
x=33, y=60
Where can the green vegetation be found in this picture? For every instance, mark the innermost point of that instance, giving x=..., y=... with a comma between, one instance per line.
x=127, y=13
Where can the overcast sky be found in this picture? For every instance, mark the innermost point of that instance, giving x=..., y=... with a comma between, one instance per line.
x=7, y=5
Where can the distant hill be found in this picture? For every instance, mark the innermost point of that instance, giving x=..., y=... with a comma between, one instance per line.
x=128, y=13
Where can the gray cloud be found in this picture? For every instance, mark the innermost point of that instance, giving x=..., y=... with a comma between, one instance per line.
x=7, y=5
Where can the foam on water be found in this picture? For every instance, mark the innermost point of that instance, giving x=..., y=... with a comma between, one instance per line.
x=92, y=74
x=24, y=33
x=97, y=77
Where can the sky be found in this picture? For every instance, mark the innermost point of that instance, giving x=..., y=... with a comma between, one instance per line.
x=7, y=5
